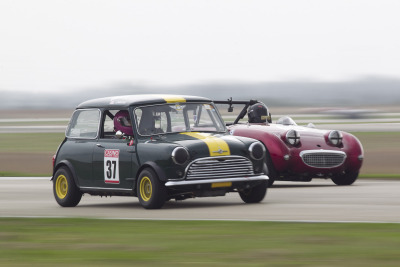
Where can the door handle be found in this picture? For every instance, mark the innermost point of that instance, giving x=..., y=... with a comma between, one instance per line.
x=99, y=145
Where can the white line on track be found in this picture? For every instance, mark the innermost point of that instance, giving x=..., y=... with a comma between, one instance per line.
x=192, y=220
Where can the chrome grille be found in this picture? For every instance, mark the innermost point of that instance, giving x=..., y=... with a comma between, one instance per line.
x=323, y=158
x=219, y=167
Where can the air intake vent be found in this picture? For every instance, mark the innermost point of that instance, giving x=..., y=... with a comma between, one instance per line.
x=323, y=158
x=219, y=167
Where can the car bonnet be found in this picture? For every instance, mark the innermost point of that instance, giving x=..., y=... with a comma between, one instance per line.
x=209, y=144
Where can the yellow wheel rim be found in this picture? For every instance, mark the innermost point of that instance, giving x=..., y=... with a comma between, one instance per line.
x=61, y=186
x=146, y=188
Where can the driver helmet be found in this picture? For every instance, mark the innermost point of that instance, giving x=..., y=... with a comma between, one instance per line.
x=258, y=113
x=122, y=122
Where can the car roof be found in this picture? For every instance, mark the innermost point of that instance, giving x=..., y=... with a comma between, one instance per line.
x=126, y=101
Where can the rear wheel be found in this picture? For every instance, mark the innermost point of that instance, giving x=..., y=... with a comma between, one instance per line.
x=151, y=192
x=255, y=194
x=347, y=178
x=65, y=191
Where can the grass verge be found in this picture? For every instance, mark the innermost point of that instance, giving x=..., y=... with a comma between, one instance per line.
x=88, y=242
x=380, y=176
x=30, y=142
x=23, y=174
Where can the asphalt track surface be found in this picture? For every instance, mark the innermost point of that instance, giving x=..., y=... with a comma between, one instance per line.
x=317, y=201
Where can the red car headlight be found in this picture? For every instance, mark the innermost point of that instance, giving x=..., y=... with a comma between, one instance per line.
x=335, y=138
x=292, y=137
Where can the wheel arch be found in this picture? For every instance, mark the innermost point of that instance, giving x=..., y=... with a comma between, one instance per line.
x=270, y=166
x=353, y=144
x=155, y=167
x=276, y=149
x=66, y=163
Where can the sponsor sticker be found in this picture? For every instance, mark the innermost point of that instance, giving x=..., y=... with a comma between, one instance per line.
x=117, y=100
x=111, y=166
x=174, y=99
x=208, y=106
x=179, y=107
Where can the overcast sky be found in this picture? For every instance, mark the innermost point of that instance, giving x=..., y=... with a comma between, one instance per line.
x=52, y=45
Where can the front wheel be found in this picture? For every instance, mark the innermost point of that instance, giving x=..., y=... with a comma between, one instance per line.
x=347, y=178
x=65, y=191
x=151, y=192
x=255, y=194
x=270, y=169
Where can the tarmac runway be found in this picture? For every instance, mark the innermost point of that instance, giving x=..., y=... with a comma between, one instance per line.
x=317, y=201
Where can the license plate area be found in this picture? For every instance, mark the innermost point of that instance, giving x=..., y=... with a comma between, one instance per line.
x=224, y=184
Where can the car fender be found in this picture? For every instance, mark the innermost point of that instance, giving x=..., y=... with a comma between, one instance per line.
x=158, y=170
x=67, y=164
x=354, y=151
x=277, y=150
x=352, y=144
x=276, y=147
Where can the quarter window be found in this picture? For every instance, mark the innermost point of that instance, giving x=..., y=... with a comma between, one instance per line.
x=84, y=124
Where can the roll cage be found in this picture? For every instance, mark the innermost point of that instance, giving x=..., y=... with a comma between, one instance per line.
x=243, y=113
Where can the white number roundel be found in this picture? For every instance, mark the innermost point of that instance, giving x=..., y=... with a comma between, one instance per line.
x=111, y=166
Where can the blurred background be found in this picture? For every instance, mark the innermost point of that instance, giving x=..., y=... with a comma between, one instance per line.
x=333, y=63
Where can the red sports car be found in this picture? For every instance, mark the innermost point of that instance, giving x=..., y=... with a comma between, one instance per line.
x=297, y=153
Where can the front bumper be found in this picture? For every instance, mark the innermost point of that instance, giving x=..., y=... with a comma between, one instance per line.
x=221, y=180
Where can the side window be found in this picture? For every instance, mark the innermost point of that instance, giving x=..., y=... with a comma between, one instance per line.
x=84, y=124
x=116, y=120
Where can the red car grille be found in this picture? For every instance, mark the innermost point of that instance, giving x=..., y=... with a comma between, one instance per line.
x=323, y=158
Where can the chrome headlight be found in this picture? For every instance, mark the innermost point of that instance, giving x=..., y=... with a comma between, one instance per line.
x=335, y=138
x=256, y=151
x=293, y=137
x=180, y=155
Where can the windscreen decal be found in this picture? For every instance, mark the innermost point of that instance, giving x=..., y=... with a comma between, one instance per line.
x=174, y=99
x=111, y=166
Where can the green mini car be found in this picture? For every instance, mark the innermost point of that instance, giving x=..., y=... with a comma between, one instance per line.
x=157, y=148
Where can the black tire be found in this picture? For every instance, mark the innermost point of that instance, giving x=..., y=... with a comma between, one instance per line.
x=271, y=172
x=151, y=192
x=65, y=191
x=347, y=178
x=255, y=194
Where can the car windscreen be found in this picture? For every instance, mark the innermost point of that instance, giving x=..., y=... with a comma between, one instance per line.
x=176, y=118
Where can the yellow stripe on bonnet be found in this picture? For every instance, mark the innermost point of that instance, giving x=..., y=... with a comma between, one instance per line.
x=216, y=146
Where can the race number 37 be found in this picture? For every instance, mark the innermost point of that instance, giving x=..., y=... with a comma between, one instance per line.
x=111, y=166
